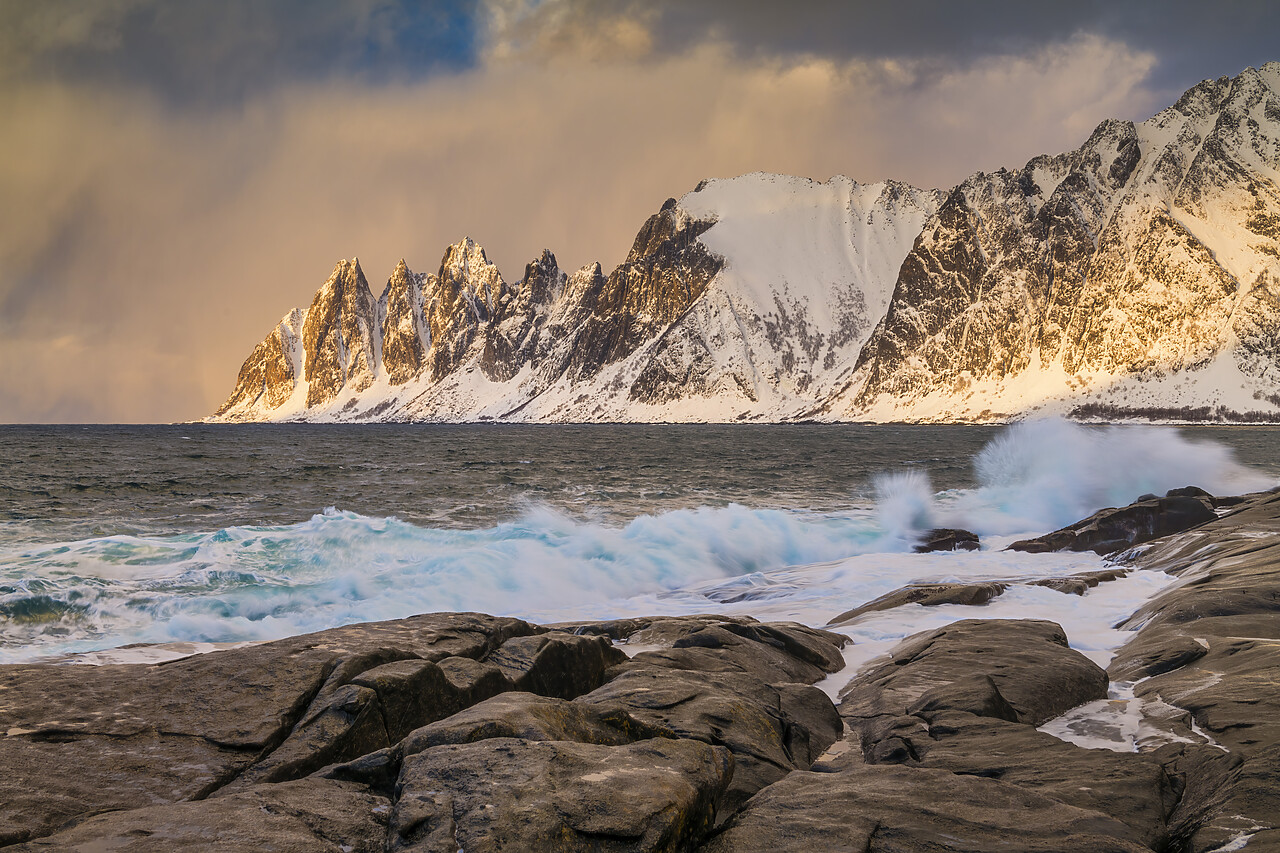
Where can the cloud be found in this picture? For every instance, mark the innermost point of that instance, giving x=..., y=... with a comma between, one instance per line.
x=199, y=53
x=158, y=246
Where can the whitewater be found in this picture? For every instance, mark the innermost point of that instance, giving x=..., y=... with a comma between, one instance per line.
x=779, y=524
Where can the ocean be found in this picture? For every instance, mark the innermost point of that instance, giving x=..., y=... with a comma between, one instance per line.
x=189, y=537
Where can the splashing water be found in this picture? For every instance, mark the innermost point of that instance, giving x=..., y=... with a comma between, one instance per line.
x=262, y=582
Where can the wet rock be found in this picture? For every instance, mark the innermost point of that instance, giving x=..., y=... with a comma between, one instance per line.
x=1134, y=789
x=291, y=817
x=83, y=739
x=1080, y=583
x=508, y=794
x=929, y=595
x=896, y=809
x=556, y=663
x=1112, y=529
x=530, y=717
x=771, y=730
x=807, y=645
x=1205, y=648
x=947, y=539
x=732, y=648
x=1027, y=662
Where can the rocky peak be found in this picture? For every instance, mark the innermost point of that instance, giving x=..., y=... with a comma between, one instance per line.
x=270, y=373
x=665, y=272
x=462, y=297
x=405, y=337
x=338, y=336
x=543, y=281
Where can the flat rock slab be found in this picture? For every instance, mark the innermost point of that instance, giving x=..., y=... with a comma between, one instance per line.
x=1081, y=582
x=883, y=809
x=927, y=595
x=505, y=794
x=291, y=817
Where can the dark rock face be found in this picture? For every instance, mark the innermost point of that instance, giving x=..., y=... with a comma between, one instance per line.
x=1110, y=530
x=665, y=271
x=1020, y=670
x=460, y=300
x=560, y=665
x=1206, y=650
x=86, y=739
x=947, y=539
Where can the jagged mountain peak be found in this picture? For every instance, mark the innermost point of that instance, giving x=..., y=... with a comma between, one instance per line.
x=1139, y=270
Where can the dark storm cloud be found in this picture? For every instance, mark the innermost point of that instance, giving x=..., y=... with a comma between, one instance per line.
x=1191, y=39
x=210, y=52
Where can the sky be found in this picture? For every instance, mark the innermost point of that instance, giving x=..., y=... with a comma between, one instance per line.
x=176, y=176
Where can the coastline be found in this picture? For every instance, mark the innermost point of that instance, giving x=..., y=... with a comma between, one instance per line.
x=713, y=721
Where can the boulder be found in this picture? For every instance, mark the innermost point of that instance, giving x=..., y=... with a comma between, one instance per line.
x=733, y=648
x=1134, y=789
x=1030, y=669
x=947, y=539
x=1112, y=529
x=809, y=645
x=556, y=664
x=535, y=718
x=507, y=794
x=770, y=729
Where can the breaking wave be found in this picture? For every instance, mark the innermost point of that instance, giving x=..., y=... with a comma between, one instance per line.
x=256, y=583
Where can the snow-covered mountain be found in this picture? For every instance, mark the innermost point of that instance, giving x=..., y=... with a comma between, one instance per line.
x=1136, y=275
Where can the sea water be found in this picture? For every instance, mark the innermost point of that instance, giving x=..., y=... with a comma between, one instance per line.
x=199, y=536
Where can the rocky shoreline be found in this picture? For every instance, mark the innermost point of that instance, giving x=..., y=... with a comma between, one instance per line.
x=461, y=731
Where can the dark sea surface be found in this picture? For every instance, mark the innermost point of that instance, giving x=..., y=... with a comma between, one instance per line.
x=115, y=534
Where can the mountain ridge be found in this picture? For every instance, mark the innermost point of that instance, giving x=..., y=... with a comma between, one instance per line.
x=1138, y=272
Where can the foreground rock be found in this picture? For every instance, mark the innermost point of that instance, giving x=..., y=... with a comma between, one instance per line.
x=337, y=740
x=896, y=809
x=1110, y=530
x=511, y=794
x=1207, y=648
x=291, y=817
x=461, y=731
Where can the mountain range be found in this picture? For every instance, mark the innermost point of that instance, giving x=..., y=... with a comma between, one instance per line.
x=1137, y=276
